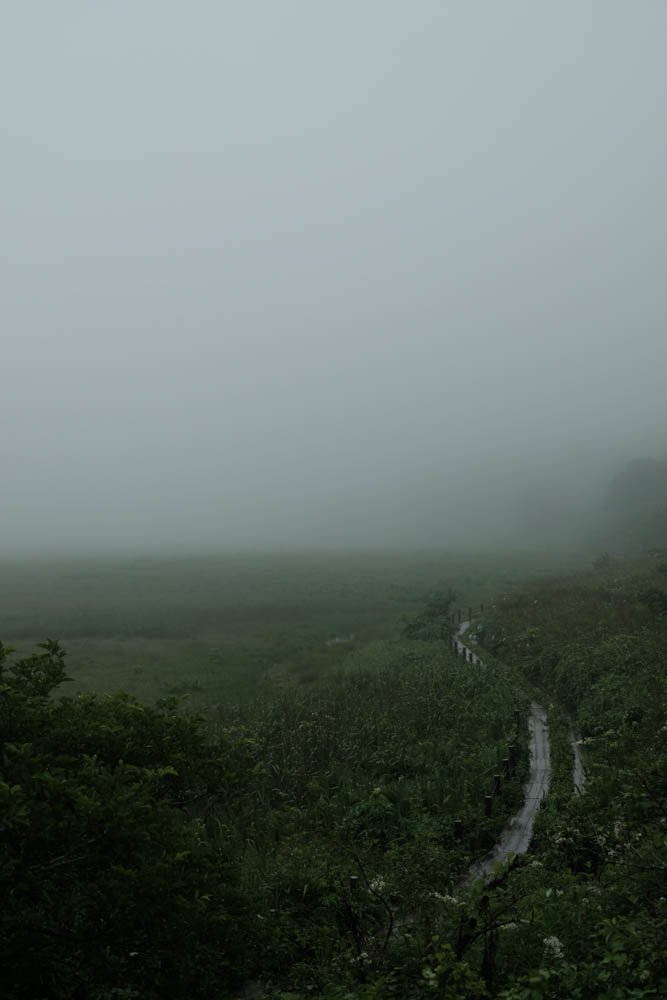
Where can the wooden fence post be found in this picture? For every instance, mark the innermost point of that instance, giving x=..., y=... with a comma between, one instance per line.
x=512, y=748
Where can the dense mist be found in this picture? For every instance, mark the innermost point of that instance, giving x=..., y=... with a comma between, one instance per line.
x=302, y=274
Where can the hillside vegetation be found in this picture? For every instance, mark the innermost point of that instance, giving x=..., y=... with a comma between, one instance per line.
x=314, y=841
x=596, y=645
x=285, y=846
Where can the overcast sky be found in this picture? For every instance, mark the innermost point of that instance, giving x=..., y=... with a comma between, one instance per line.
x=292, y=272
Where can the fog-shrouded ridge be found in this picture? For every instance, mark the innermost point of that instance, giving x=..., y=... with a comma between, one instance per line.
x=367, y=273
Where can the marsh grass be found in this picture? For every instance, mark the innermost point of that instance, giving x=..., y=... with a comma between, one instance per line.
x=224, y=629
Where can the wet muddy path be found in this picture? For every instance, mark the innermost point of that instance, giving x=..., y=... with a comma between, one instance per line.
x=517, y=834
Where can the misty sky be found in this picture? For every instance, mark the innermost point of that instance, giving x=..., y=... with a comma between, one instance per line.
x=292, y=272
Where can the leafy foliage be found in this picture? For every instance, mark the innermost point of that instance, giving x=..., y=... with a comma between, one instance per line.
x=147, y=855
x=309, y=840
x=597, y=644
x=109, y=881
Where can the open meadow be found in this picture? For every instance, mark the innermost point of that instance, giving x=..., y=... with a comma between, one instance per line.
x=222, y=629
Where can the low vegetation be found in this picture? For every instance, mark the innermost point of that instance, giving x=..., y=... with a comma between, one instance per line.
x=312, y=837
x=225, y=629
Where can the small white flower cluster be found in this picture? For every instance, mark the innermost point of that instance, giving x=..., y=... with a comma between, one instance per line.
x=445, y=898
x=377, y=884
x=553, y=945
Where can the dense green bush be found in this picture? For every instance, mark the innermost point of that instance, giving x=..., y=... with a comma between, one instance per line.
x=110, y=885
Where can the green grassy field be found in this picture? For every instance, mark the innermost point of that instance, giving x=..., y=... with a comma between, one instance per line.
x=221, y=629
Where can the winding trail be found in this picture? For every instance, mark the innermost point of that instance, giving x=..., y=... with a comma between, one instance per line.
x=460, y=647
x=517, y=834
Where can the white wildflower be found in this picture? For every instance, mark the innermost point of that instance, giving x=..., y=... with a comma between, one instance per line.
x=553, y=945
x=377, y=884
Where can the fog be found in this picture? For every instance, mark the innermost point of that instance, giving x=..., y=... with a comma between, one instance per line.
x=295, y=274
